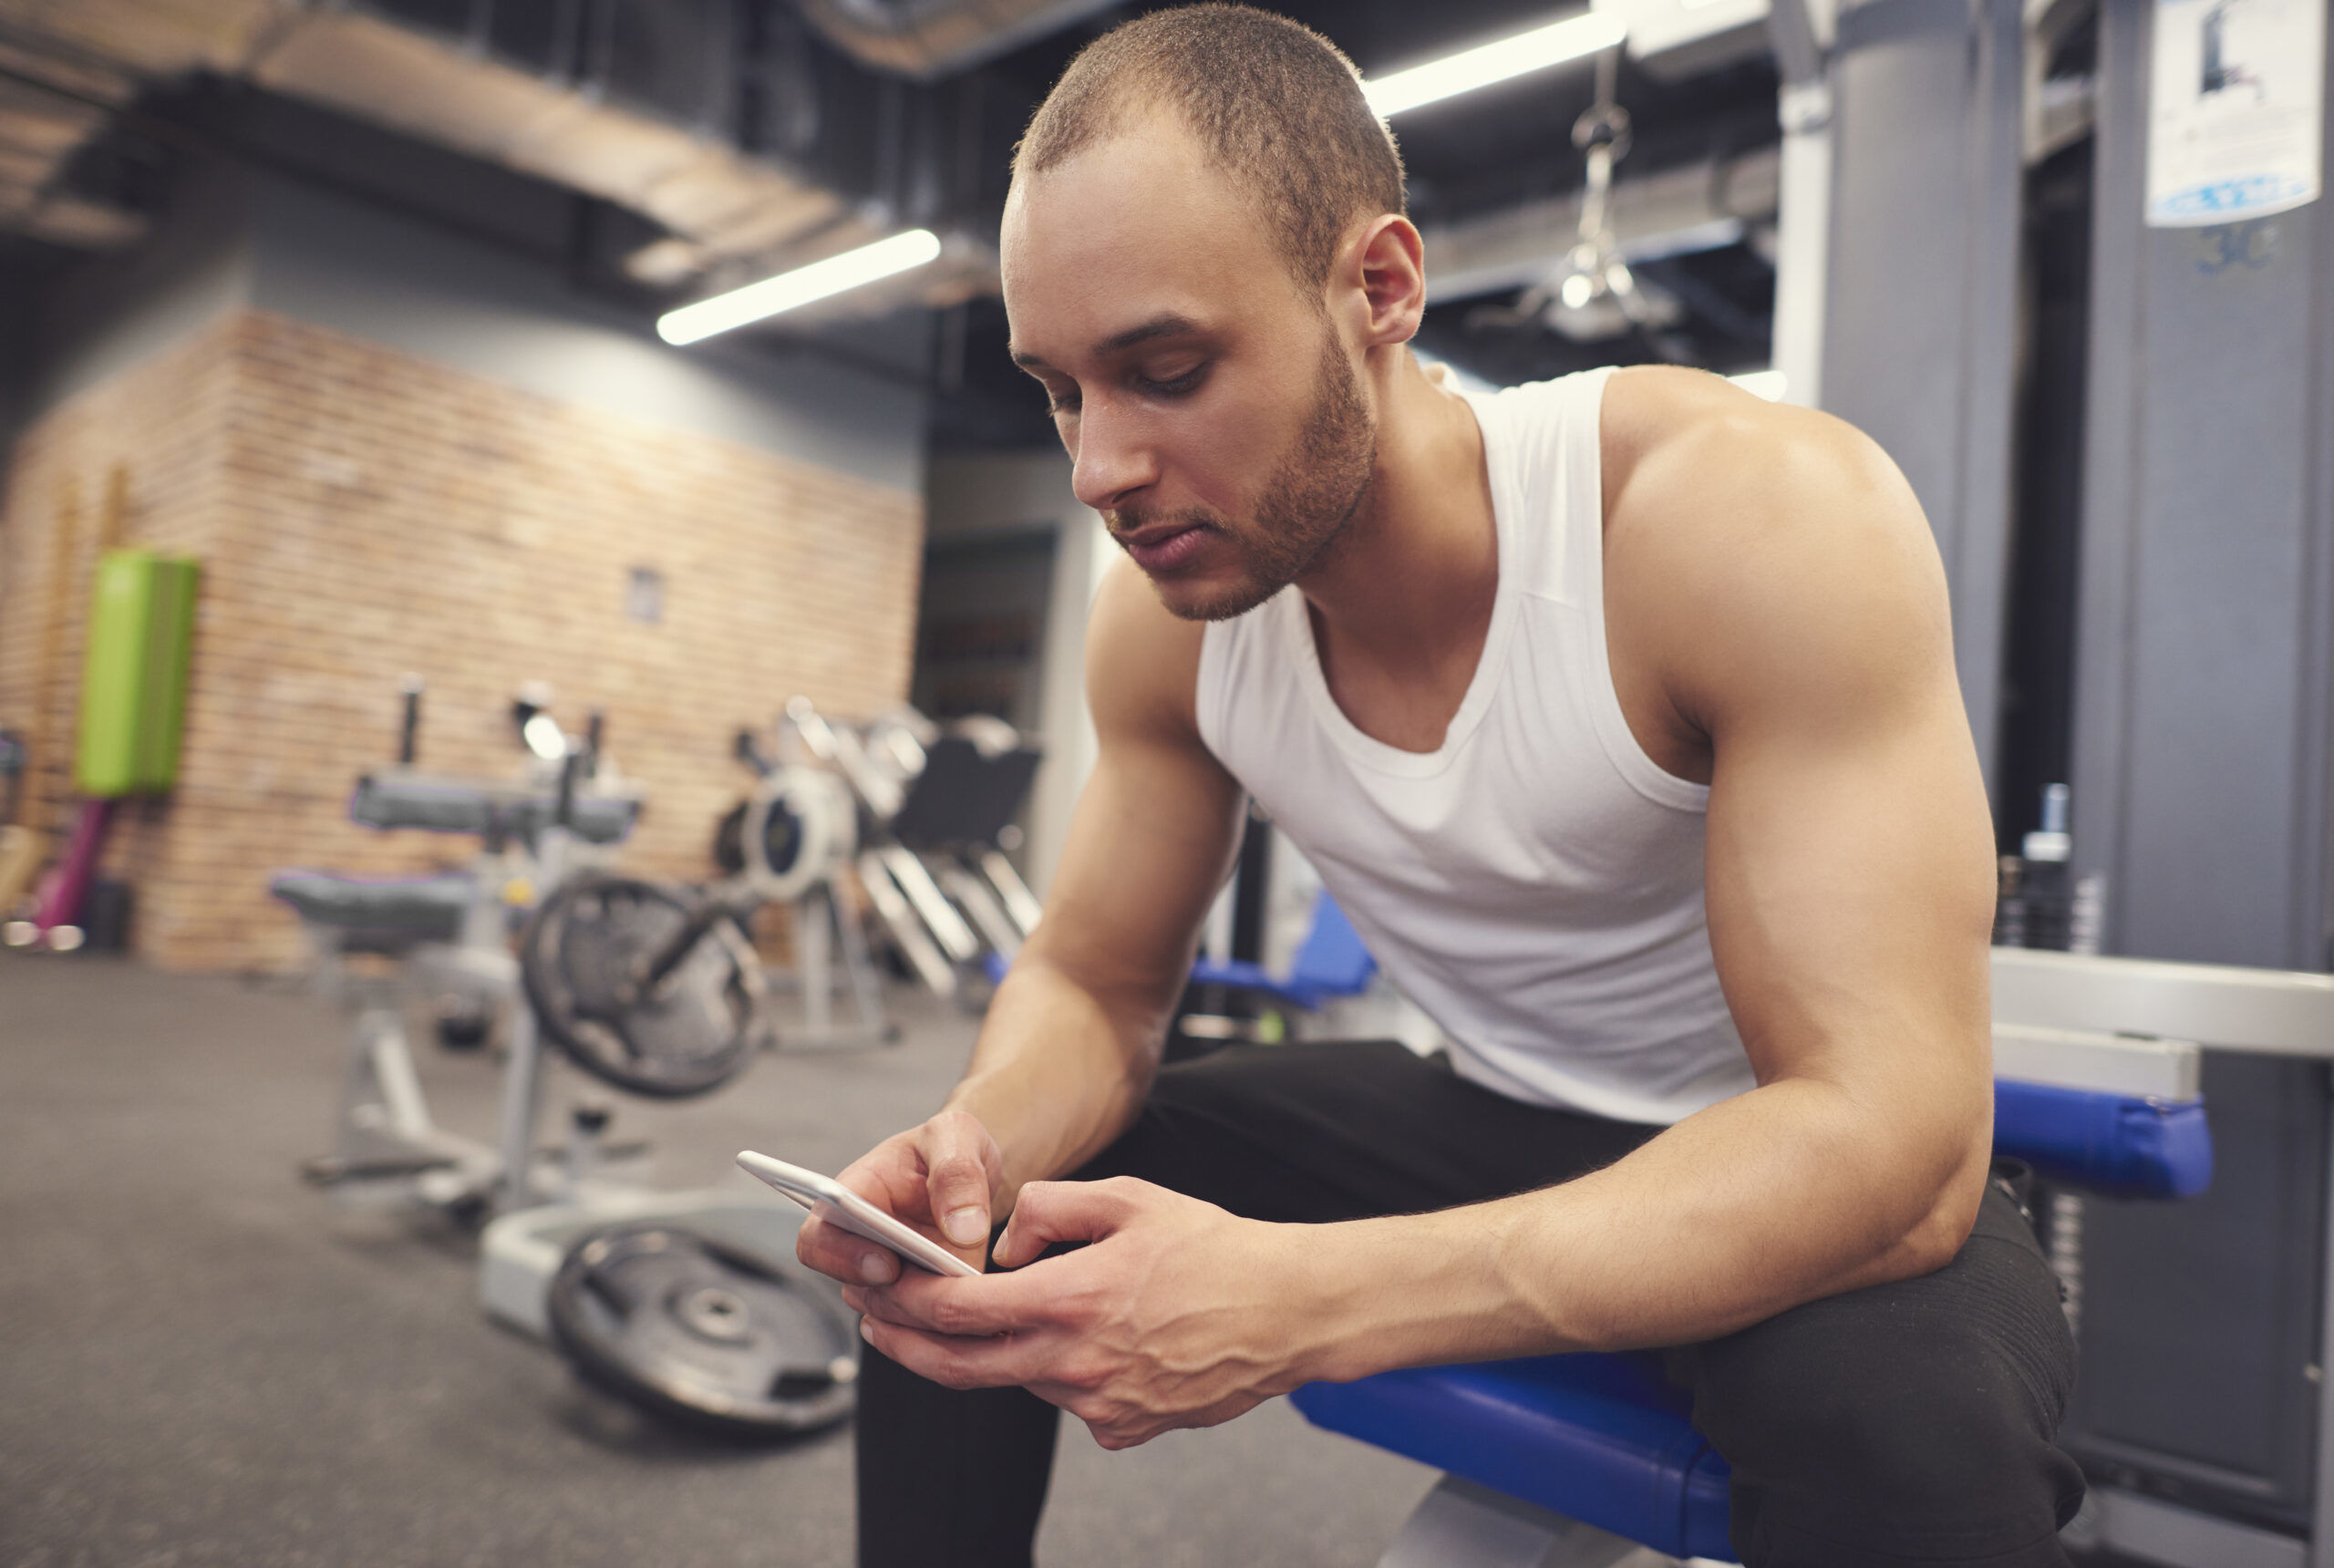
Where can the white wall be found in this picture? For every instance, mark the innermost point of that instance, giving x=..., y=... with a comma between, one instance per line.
x=112, y=311
x=1008, y=492
x=338, y=262
x=239, y=238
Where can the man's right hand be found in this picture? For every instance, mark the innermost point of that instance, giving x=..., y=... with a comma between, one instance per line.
x=943, y=1178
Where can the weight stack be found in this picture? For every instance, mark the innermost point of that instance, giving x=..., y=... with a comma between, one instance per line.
x=133, y=680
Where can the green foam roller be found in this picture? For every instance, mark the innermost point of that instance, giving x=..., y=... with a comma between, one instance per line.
x=133, y=681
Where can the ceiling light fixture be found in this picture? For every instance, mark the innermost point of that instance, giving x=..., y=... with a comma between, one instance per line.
x=788, y=291
x=1574, y=37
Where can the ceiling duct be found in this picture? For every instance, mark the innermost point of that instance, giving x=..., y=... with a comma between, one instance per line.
x=428, y=87
x=930, y=38
x=67, y=66
x=609, y=129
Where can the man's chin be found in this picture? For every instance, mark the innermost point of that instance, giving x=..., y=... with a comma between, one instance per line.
x=1210, y=599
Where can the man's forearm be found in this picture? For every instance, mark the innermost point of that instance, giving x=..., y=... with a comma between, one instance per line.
x=1755, y=1205
x=1058, y=1073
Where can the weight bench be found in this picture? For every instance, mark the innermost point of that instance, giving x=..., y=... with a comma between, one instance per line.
x=389, y=915
x=1580, y=1460
x=450, y=931
x=1331, y=962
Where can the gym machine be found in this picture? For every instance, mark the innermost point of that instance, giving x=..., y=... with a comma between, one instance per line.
x=789, y=842
x=381, y=943
x=918, y=812
x=677, y=1302
x=935, y=808
x=684, y=1305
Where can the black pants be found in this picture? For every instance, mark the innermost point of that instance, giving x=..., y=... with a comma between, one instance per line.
x=1907, y=1423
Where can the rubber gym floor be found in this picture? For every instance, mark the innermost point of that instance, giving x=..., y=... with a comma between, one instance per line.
x=202, y=1362
x=205, y=1364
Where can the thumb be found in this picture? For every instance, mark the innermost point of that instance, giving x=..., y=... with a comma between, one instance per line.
x=1051, y=1212
x=956, y=1179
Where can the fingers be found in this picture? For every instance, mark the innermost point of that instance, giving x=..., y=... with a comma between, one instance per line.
x=837, y=1253
x=993, y=1305
x=1051, y=1211
x=960, y=1363
x=950, y=1162
x=961, y=1164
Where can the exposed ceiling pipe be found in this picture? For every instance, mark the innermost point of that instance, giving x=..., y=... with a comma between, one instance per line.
x=719, y=200
x=732, y=215
x=931, y=38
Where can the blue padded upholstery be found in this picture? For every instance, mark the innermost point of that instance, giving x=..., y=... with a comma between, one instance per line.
x=1606, y=1440
x=1600, y=1438
x=2116, y=1143
x=1331, y=962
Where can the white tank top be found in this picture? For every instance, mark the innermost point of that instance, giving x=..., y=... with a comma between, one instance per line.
x=1535, y=883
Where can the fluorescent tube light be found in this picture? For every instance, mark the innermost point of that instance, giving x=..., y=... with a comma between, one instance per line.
x=1766, y=383
x=1553, y=44
x=787, y=291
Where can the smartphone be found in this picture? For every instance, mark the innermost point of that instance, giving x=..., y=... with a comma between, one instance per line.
x=837, y=1204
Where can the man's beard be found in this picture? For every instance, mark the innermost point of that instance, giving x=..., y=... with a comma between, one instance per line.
x=1312, y=498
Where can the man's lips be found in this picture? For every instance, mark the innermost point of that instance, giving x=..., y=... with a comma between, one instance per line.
x=1163, y=546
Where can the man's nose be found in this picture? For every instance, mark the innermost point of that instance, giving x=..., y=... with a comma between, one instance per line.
x=1111, y=466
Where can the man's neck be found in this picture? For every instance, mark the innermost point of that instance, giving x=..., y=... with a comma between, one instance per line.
x=1411, y=583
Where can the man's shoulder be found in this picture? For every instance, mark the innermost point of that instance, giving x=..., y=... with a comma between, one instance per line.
x=1741, y=536
x=1666, y=430
x=1710, y=467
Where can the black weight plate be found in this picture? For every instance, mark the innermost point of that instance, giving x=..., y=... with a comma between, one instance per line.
x=580, y=958
x=702, y=1334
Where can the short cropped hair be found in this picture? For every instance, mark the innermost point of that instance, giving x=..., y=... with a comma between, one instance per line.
x=1274, y=103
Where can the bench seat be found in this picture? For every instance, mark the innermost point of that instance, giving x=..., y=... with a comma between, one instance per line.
x=1605, y=1440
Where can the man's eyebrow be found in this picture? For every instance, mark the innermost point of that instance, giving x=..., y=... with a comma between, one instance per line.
x=1167, y=326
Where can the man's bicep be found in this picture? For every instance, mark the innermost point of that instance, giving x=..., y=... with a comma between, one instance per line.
x=1850, y=850
x=1850, y=894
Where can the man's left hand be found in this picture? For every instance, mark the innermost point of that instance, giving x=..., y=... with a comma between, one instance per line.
x=1176, y=1315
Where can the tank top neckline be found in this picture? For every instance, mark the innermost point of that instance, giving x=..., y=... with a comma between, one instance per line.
x=1296, y=625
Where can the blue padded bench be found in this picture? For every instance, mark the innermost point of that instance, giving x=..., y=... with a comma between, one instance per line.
x=1603, y=1440
x=1331, y=962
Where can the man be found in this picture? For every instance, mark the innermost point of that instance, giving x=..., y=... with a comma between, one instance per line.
x=1620, y=715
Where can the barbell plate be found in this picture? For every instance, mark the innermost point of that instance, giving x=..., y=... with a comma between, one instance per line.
x=582, y=958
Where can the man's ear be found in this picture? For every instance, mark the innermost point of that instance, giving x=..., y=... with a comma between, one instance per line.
x=1384, y=264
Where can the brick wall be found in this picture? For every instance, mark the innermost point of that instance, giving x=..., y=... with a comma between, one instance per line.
x=360, y=513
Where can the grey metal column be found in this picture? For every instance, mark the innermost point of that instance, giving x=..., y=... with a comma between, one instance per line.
x=1803, y=44
x=2200, y=755
x=2200, y=745
x=1920, y=332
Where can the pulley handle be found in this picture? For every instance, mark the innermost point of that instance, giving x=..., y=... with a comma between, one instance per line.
x=411, y=688
x=571, y=767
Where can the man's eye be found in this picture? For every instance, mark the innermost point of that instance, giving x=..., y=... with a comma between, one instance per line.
x=1175, y=387
x=1064, y=404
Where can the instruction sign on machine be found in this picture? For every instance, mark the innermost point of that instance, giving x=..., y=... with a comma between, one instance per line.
x=2235, y=111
